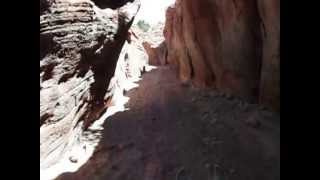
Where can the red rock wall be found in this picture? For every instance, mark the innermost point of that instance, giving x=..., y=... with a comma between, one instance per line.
x=156, y=55
x=270, y=73
x=230, y=45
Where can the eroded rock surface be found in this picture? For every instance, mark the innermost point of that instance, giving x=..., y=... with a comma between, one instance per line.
x=233, y=46
x=80, y=45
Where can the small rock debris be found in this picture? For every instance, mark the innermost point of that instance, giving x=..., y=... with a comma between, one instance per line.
x=73, y=159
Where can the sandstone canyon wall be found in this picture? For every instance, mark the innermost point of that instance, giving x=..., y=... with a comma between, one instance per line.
x=231, y=45
x=154, y=45
x=80, y=44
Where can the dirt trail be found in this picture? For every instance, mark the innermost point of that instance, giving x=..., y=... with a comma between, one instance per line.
x=172, y=131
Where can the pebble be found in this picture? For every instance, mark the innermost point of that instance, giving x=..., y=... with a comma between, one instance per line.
x=73, y=159
x=253, y=122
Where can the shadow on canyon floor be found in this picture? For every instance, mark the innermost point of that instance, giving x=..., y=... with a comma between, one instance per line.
x=173, y=130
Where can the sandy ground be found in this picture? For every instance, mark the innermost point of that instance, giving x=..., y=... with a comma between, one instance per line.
x=172, y=131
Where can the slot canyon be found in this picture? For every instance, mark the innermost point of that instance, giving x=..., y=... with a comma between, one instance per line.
x=160, y=89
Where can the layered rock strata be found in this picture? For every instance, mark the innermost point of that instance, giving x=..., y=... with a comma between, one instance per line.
x=80, y=44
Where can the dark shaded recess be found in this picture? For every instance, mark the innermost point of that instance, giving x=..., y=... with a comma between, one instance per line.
x=88, y=57
x=65, y=77
x=44, y=6
x=103, y=66
x=44, y=118
x=47, y=69
x=47, y=44
x=166, y=53
x=83, y=66
x=190, y=64
x=257, y=33
x=113, y=4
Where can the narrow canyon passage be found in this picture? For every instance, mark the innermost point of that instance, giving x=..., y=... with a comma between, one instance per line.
x=159, y=90
x=171, y=130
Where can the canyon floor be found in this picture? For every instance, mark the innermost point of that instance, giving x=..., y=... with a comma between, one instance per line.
x=173, y=131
